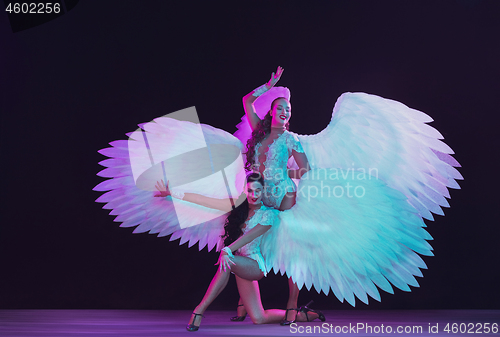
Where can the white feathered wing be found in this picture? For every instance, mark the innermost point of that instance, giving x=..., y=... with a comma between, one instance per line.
x=137, y=207
x=354, y=245
x=390, y=140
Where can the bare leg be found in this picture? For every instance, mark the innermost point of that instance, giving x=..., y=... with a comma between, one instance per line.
x=241, y=311
x=293, y=295
x=244, y=266
x=218, y=283
x=250, y=294
x=287, y=203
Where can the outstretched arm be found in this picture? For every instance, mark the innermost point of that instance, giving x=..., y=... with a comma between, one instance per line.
x=221, y=204
x=252, y=96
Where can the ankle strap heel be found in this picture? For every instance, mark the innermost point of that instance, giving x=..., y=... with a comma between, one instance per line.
x=192, y=327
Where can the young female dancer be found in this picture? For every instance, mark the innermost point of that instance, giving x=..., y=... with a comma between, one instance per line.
x=244, y=227
x=377, y=170
x=268, y=151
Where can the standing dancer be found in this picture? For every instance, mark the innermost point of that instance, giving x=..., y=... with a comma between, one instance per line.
x=268, y=151
x=370, y=177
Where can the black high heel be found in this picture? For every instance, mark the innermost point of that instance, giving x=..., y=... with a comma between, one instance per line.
x=192, y=327
x=287, y=322
x=238, y=318
x=305, y=309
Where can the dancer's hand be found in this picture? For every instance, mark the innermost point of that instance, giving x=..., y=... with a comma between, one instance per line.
x=275, y=77
x=224, y=261
x=164, y=191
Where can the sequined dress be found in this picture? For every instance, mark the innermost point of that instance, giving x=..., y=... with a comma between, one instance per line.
x=277, y=181
x=264, y=216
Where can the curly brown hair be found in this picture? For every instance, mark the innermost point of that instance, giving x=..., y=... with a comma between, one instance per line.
x=261, y=132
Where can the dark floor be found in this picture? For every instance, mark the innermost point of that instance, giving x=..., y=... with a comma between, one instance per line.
x=145, y=323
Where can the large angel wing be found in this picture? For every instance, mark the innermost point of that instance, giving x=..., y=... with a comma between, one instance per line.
x=386, y=139
x=392, y=141
x=160, y=151
x=349, y=234
x=354, y=245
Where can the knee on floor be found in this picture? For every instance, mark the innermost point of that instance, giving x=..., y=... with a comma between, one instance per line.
x=258, y=319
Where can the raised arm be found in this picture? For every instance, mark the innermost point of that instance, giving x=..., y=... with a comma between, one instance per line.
x=221, y=204
x=252, y=96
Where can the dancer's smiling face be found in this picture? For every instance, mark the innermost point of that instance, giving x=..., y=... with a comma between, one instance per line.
x=254, y=191
x=281, y=111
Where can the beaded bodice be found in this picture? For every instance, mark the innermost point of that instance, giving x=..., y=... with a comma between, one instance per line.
x=266, y=217
x=280, y=150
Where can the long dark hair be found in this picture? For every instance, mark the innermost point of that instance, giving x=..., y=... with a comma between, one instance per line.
x=236, y=218
x=262, y=130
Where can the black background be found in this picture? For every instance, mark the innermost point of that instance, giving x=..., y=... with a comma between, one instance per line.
x=74, y=84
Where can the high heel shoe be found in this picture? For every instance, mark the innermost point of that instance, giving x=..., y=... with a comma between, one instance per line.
x=285, y=321
x=238, y=318
x=305, y=309
x=192, y=327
